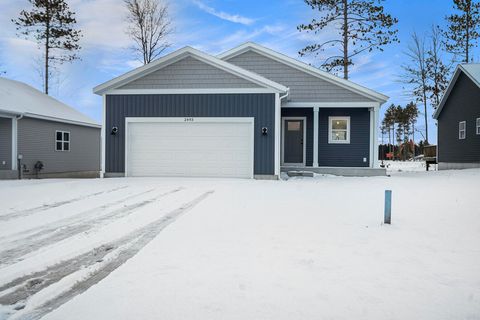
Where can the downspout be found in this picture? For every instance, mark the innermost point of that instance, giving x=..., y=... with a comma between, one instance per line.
x=15, y=155
x=278, y=132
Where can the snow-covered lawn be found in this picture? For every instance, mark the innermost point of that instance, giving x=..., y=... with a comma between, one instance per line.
x=306, y=248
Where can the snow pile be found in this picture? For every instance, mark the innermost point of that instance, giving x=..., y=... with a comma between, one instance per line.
x=295, y=249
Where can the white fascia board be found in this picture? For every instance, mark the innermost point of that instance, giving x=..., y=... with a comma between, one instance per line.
x=331, y=105
x=78, y=123
x=305, y=68
x=189, y=91
x=178, y=55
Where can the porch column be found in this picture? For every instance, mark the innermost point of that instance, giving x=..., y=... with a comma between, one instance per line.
x=14, y=143
x=371, y=155
x=315, y=137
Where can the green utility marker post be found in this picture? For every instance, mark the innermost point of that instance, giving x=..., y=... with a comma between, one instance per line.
x=388, y=206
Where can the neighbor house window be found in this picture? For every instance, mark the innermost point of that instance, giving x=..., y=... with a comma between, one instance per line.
x=339, y=130
x=462, y=129
x=62, y=140
x=478, y=125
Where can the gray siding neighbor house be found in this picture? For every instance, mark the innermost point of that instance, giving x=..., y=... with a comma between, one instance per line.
x=458, y=117
x=37, y=128
x=250, y=112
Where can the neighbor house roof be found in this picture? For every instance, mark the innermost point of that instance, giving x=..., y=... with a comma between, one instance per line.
x=470, y=70
x=376, y=96
x=181, y=54
x=18, y=98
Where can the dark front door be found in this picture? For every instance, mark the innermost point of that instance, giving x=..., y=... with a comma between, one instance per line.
x=293, y=141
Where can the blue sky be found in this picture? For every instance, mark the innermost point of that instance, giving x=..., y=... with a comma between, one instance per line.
x=213, y=26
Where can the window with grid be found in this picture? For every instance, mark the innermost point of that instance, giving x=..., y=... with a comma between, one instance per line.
x=462, y=130
x=62, y=140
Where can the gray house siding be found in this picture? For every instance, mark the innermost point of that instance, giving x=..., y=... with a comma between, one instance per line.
x=189, y=73
x=461, y=105
x=36, y=142
x=5, y=144
x=345, y=155
x=303, y=86
x=337, y=155
x=259, y=106
x=308, y=113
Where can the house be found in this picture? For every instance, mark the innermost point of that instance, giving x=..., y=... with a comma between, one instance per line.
x=458, y=117
x=37, y=129
x=249, y=112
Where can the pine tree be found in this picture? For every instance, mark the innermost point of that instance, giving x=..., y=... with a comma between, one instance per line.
x=438, y=72
x=52, y=25
x=462, y=31
x=362, y=25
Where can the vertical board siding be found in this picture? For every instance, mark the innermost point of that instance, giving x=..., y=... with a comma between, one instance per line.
x=308, y=113
x=461, y=105
x=36, y=142
x=345, y=155
x=304, y=87
x=259, y=106
x=5, y=143
x=189, y=73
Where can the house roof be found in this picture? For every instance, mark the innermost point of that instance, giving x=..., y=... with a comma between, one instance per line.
x=18, y=98
x=181, y=54
x=471, y=70
x=376, y=96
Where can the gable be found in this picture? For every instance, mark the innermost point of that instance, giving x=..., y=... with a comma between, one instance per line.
x=304, y=87
x=189, y=73
x=462, y=101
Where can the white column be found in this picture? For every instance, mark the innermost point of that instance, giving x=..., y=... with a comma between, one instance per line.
x=278, y=125
x=103, y=137
x=372, y=137
x=14, y=143
x=375, y=144
x=315, y=136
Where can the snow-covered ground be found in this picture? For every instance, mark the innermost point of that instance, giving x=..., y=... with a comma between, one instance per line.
x=306, y=248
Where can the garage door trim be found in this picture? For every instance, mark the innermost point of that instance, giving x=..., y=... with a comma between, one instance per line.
x=187, y=120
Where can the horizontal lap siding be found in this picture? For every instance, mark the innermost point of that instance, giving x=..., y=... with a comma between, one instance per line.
x=189, y=73
x=5, y=143
x=304, y=87
x=345, y=155
x=36, y=142
x=259, y=106
x=462, y=105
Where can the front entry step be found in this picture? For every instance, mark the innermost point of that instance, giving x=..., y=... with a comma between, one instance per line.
x=300, y=174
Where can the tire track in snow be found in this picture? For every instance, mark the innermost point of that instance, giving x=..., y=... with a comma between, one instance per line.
x=28, y=212
x=132, y=243
x=54, y=234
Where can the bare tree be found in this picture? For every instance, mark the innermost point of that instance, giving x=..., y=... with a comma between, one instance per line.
x=416, y=74
x=149, y=27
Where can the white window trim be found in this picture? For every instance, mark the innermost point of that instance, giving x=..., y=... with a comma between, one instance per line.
x=330, y=141
x=304, y=119
x=63, y=141
x=478, y=126
x=464, y=130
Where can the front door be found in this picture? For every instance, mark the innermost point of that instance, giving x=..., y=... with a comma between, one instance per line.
x=293, y=148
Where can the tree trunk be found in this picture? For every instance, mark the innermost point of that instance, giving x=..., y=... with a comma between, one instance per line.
x=426, y=117
x=345, y=39
x=47, y=47
x=467, y=33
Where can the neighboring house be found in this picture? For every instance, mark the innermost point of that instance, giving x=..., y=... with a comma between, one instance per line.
x=36, y=127
x=250, y=112
x=458, y=117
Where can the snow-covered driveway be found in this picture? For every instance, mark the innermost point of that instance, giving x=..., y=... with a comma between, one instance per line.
x=241, y=249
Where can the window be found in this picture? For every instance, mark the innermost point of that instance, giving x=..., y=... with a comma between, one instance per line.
x=339, y=130
x=462, y=129
x=293, y=125
x=478, y=126
x=62, y=141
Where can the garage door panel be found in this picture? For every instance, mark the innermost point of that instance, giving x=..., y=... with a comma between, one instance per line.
x=211, y=149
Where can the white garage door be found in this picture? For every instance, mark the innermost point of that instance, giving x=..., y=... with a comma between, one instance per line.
x=192, y=147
